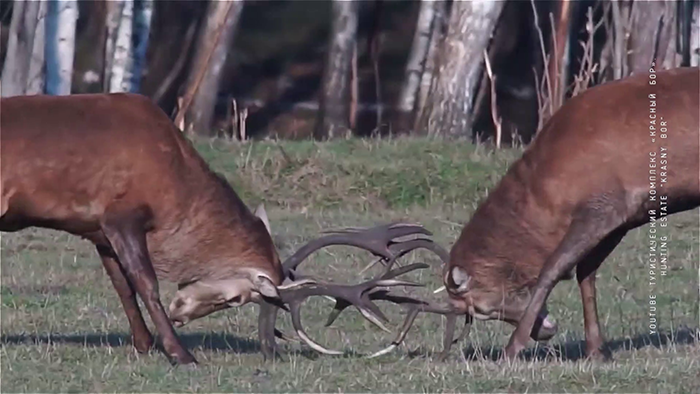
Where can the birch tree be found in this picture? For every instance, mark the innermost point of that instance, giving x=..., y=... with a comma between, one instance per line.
x=128, y=29
x=334, y=115
x=437, y=34
x=119, y=71
x=60, y=45
x=646, y=41
x=20, y=46
x=202, y=86
x=695, y=38
x=449, y=104
x=114, y=14
x=37, y=68
x=416, y=62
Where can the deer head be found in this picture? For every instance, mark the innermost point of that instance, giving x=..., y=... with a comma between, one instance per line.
x=205, y=296
x=492, y=303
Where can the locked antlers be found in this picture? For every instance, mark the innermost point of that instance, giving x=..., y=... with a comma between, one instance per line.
x=380, y=241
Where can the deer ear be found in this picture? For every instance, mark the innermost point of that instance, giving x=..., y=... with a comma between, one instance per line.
x=264, y=286
x=262, y=214
x=461, y=279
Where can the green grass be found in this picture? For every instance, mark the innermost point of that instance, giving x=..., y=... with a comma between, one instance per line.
x=63, y=328
x=360, y=174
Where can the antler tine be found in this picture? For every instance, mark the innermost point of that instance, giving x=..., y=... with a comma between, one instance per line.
x=389, y=274
x=378, y=240
x=345, y=296
x=399, y=249
x=448, y=340
x=410, y=227
x=295, y=307
x=414, y=306
x=407, y=324
x=266, y=330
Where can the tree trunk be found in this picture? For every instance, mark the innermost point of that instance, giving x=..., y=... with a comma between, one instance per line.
x=143, y=12
x=695, y=37
x=120, y=72
x=60, y=45
x=114, y=15
x=20, y=44
x=437, y=33
x=333, y=117
x=558, y=53
x=37, y=68
x=449, y=103
x=415, y=65
x=215, y=38
x=621, y=11
x=88, y=62
x=643, y=45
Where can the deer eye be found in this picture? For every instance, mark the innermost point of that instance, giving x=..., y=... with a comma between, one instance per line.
x=234, y=300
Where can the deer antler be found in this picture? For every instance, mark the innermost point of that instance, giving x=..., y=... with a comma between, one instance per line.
x=413, y=307
x=356, y=295
x=381, y=242
x=378, y=240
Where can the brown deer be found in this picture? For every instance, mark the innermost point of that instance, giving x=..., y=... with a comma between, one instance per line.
x=568, y=202
x=573, y=195
x=113, y=169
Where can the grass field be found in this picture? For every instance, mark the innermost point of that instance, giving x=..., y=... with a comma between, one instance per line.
x=63, y=328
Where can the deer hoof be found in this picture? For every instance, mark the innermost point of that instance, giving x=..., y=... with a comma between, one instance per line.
x=185, y=358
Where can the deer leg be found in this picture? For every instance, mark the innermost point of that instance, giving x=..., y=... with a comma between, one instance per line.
x=585, y=274
x=590, y=225
x=127, y=236
x=140, y=336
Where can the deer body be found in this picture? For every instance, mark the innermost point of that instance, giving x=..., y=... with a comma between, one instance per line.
x=573, y=195
x=114, y=170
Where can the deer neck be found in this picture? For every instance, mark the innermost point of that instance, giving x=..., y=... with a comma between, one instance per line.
x=510, y=235
x=216, y=237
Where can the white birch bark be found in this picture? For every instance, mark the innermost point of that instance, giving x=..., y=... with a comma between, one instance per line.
x=437, y=31
x=417, y=57
x=120, y=75
x=37, y=76
x=695, y=37
x=20, y=45
x=60, y=45
x=114, y=13
x=644, y=34
x=449, y=105
x=334, y=110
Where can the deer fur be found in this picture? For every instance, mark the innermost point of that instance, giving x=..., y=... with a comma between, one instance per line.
x=108, y=167
x=570, y=199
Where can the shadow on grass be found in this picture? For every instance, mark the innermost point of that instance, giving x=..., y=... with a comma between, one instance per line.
x=576, y=350
x=205, y=341
x=569, y=351
x=208, y=341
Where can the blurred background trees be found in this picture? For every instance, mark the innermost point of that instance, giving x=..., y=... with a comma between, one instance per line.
x=297, y=69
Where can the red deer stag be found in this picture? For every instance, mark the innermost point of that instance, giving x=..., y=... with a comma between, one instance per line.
x=113, y=169
x=610, y=160
x=614, y=158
